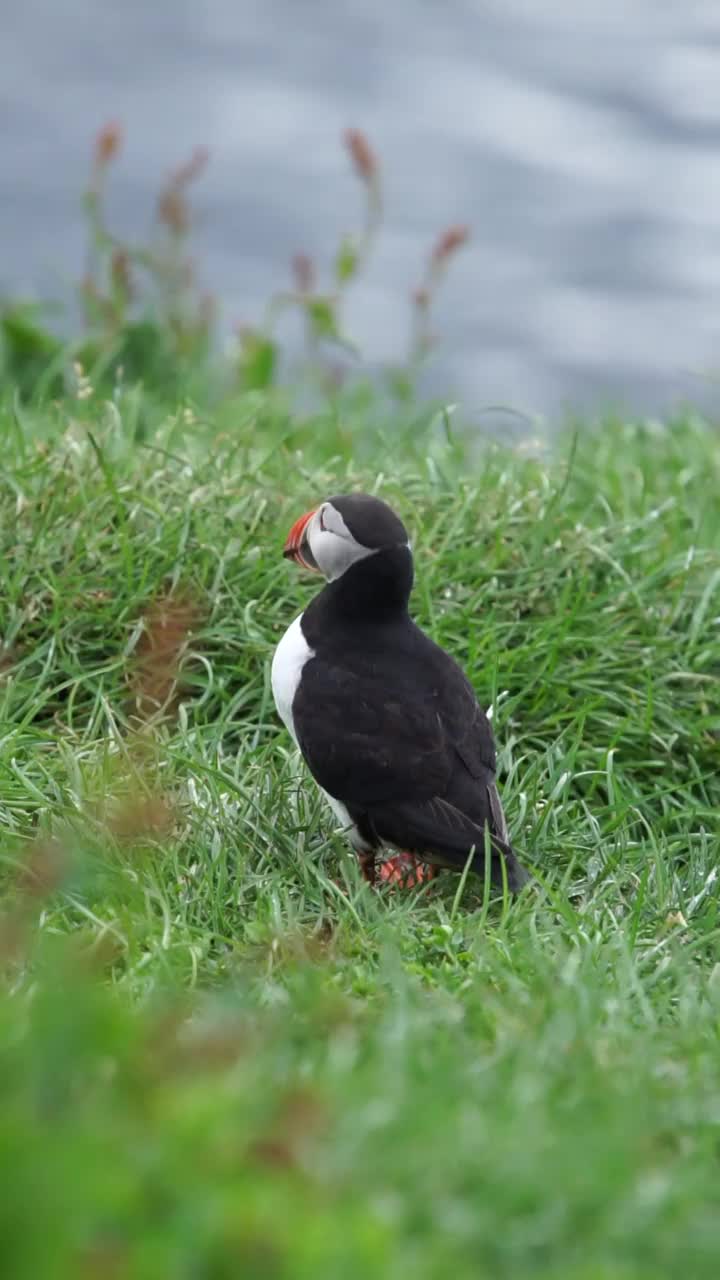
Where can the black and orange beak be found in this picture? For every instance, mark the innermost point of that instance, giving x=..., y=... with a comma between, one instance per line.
x=296, y=546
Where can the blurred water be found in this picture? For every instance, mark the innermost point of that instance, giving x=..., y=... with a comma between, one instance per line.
x=579, y=138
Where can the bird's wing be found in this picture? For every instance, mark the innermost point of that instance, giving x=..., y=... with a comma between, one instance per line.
x=366, y=743
x=467, y=726
x=407, y=777
x=436, y=829
x=441, y=833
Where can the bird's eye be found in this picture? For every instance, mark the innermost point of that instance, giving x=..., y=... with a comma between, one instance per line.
x=322, y=522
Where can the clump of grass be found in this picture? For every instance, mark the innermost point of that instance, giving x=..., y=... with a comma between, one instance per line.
x=222, y=1051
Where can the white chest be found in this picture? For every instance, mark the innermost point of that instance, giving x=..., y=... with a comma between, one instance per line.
x=289, y=659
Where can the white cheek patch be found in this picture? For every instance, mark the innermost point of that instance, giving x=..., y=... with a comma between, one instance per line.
x=332, y=543
x=333, y=522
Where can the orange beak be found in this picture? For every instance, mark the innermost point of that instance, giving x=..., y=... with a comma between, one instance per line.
x=293, y=545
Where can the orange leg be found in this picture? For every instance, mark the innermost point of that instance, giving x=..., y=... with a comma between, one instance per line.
x=406, y=871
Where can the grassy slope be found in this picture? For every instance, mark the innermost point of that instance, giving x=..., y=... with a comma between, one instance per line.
x=217, y=1061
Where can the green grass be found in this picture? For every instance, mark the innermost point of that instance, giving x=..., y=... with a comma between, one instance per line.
x=220, y=1053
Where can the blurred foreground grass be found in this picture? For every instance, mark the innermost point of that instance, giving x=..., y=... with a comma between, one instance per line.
x=217, y=1061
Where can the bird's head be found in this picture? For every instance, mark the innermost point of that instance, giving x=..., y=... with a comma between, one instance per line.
x=342, y=531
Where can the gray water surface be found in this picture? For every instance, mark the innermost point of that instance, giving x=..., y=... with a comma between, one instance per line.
x=580, y=139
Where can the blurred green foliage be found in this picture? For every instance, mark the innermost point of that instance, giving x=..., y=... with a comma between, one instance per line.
x=148, y=320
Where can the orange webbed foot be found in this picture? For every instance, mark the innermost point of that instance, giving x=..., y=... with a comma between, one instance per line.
x=406, y=871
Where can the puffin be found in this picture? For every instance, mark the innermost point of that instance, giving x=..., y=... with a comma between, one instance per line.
x=387, y=722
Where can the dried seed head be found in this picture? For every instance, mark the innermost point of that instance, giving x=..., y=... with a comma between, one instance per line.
x=169, y=624
x=173, y=211
x=107, y=143
x=361, y=154
x=173, y=208
x=141, y=816
x=84, y=389
x=120, y=272
x=303, y=269
x=44, y=868
x=450, y=240
x=191, y=169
